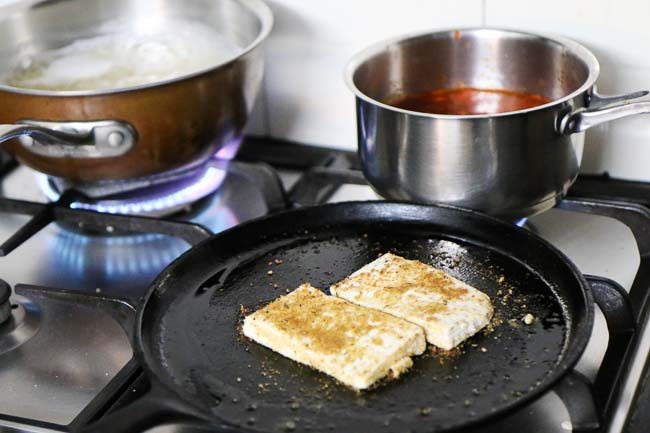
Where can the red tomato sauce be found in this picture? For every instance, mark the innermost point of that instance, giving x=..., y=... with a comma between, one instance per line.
x=468, y=100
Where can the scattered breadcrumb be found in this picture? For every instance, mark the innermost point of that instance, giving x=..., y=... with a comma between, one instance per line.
x=456, y=351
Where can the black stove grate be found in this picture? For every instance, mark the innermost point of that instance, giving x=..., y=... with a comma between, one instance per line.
x=322, y=172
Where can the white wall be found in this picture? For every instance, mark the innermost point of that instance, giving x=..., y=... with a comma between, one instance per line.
x=306, y=100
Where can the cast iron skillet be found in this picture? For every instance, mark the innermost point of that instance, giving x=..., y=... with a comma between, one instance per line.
x=189, y=341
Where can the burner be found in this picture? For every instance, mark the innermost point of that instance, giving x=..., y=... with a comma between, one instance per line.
x=158, y=195
x=21, y=323
x=522, y=222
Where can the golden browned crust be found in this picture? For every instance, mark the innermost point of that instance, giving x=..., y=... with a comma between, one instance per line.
x=448, y=309
x=356, y=345
x=332, y=325
x=403, y=276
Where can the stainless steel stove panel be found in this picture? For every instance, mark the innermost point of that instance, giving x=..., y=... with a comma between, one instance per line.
x=78, y=349
x=120, y=265
x=55, y=374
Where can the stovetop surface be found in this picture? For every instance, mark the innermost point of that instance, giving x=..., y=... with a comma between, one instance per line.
x=67, y=256
x=78, y=348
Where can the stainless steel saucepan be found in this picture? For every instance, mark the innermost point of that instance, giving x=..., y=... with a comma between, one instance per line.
x=510, y=164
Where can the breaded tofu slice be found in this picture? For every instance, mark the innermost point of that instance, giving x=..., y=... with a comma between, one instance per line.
x=356, y=345
x=449, y=310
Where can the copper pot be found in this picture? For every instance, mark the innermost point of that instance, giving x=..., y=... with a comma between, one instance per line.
x=89, y=136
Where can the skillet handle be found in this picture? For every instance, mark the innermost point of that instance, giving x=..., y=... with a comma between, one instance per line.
x=615, y=306
x=154, y=407
x=139, y=416
x=576, y=393
x=88, y=139
x=589, y=404
x=603, y=109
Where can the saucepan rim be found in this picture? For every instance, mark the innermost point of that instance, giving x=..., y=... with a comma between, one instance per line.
x=574, y=47
x=257, y=7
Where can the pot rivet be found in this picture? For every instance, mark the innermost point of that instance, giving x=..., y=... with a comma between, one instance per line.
x=115, y=138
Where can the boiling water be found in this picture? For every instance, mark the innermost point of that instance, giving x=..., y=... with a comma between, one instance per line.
x=122, y=57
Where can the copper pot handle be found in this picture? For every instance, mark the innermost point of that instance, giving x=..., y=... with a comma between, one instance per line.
x=88, y=139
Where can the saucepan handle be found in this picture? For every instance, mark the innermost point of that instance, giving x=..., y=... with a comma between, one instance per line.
x=601, y=109
x=87, y=139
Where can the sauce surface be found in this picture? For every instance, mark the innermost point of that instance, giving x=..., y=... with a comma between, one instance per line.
x=468, y=101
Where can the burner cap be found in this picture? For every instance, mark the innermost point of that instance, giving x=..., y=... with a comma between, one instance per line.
x=5, y=306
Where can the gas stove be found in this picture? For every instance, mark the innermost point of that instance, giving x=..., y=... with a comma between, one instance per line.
x=77, y=275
